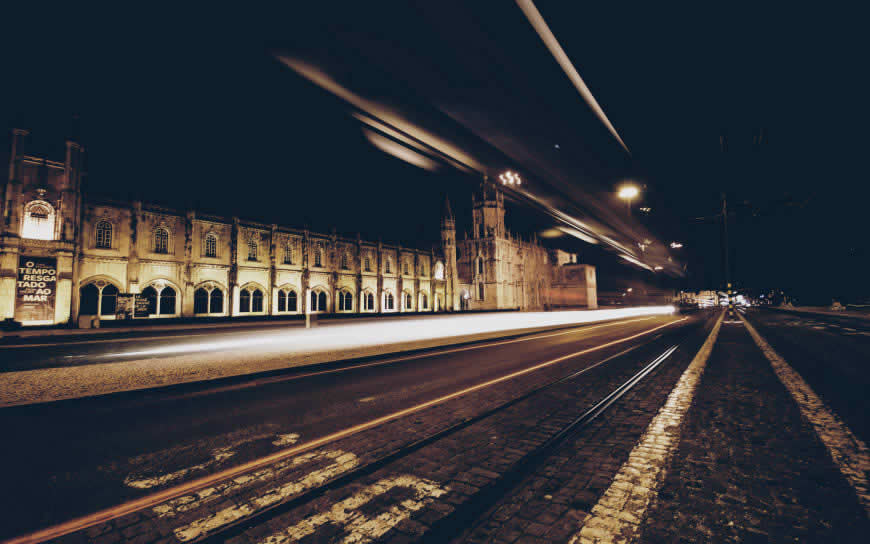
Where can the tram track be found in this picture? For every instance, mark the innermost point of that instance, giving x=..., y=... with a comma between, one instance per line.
x=234, y=528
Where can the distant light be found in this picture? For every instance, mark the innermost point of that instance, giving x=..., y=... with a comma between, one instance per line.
x=676, y=245
x=510, y=178
x=659, y=268
x=629, y=289
x=557, y=146
x=627, y=192
x=645, y=210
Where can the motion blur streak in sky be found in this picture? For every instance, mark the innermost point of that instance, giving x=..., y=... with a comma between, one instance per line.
x=382, y=113
x=537, y=22
x=358, y=335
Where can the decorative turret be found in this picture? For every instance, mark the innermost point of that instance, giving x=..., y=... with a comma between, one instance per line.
x=488, y=211
x=448, y=248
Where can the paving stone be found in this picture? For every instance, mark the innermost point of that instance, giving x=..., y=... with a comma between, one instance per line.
x=748, y=468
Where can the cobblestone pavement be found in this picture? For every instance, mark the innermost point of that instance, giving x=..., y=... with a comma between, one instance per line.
x=748, y=468
x=831, y=356
x=115, y=450
x=463, y=466
x=442, y=471
x=551, y=504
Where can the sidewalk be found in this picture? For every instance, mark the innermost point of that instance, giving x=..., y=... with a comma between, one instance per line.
x=821, y=310
x=750, y=467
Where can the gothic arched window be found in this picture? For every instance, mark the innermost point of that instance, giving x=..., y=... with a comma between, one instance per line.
x=389, y=301
x=345, y=301
x=344, y=262
x=200, y=301
x=252, y=249
x=439, y=271
x=424, y=301
x=369, y=301
x=287, y=300
x=210, y=245
x=38, y=221
x=405, y=268
x=368, y=264
x=256, y=301
x=288, y=252
x=98, y=298
x=208, y=300
x=387, y=266
x=318, y=255
x=161, y=240
x=104, y=235
x=480, y=265
x=409, y=301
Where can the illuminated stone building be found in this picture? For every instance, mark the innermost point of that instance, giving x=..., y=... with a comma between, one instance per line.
x=64, y=256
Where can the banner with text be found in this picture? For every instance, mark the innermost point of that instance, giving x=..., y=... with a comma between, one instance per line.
x=35, y=289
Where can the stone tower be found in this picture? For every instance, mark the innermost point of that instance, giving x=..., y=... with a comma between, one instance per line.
x=488, y=212
x=448, y=247
x=41, y=211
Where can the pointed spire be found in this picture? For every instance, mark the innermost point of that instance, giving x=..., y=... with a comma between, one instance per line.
x=446, y=212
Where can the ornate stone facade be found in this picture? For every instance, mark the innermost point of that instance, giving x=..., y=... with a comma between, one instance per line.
x=132, y=259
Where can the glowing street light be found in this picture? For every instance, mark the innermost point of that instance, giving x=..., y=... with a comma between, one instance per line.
x=628, y=193
x=510, y=178
x=676, y=245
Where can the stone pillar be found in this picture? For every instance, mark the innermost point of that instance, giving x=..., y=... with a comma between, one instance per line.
x=233, y=277
x=12, y=194
x=332, y=264
x=358, y=262
x=133, y=258
x=187, y=279
x=417, y=280
x=379, y=296
x=273, y=271
x=399, y=299
x=306, y=273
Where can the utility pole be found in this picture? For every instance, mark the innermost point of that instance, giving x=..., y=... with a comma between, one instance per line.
x=728, y=290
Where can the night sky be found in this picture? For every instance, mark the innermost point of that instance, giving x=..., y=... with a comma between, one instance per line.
x=189, y=107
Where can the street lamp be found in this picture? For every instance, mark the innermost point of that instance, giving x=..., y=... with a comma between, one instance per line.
x=510, y=178
x=628, y=193
x=676, y=245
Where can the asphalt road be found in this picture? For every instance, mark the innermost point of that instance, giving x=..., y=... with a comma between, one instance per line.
x=70, y=458
x=831, y=353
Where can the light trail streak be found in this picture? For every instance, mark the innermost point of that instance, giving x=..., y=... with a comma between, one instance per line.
x=540, y=26
x=356, y=335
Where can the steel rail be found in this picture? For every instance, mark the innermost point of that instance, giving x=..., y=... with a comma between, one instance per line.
x=230, y=529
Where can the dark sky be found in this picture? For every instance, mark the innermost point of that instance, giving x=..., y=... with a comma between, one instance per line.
x=188, y=107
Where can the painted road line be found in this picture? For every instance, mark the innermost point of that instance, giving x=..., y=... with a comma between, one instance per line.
x=849, y=453
x=618, y=514
x=192, y=486
x=358, y=527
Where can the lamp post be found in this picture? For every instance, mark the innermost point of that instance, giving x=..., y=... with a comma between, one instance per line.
x=628, y=193
x=510, y=178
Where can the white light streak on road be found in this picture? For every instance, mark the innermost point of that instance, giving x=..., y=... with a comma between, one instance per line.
x=540, y=26
x=355, y=335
